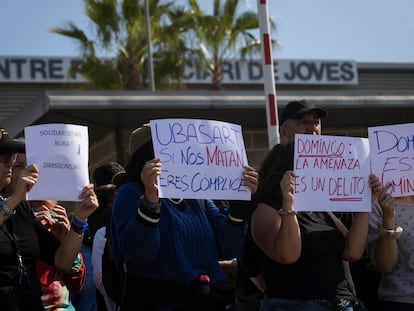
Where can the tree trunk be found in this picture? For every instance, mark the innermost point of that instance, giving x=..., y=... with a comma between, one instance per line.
x=216, y=78
x=132, y=79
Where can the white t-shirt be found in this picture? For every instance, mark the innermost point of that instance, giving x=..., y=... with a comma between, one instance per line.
x=97, y=251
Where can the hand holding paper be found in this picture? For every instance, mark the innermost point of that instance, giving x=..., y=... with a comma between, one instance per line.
x=88, y=203
x=149, y=176
x=252, y=178
x=27, y=179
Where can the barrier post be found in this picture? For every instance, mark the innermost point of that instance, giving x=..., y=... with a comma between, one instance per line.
x=268, y=75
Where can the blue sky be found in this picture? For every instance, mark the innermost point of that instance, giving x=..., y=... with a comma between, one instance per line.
x=360, y=30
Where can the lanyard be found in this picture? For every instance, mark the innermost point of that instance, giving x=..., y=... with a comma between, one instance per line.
x=23, y=275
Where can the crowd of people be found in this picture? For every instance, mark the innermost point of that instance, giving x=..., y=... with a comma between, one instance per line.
x=174, y=254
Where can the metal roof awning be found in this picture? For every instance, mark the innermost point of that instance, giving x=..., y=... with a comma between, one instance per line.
x=104, y=111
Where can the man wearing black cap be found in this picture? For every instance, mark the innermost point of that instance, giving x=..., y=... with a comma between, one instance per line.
x=300, y=117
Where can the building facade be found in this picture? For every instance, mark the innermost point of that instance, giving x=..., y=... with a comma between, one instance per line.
x=356, y=95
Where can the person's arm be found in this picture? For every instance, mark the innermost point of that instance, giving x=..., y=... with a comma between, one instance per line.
x=276, y=235
x=71, y=245
x=356, y=239
x=386, y=251
x=386, y=247
x=356, y=236
x=136, y=215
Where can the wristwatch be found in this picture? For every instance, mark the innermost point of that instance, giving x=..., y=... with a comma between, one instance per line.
x=5, y=210
x=393, y=233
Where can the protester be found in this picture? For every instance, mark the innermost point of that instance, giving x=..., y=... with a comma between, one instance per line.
x=57, y=285
x=90, y=298
x=171, y=246
x=298, y=117
x=103, y=178
x=23, y=240
x=304, y=251
x=391, y=246
x=105, y=189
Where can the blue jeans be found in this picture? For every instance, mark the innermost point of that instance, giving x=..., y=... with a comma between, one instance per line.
x=281, y=304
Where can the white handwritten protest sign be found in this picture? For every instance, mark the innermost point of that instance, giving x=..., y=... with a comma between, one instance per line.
x=200, y=159
x=61, y=153
x=392, y=156
x=332, y=173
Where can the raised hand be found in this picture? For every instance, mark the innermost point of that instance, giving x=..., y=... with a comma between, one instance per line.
x=26, y=180
x=251, y=177
x=87, y=205
x=149, y=175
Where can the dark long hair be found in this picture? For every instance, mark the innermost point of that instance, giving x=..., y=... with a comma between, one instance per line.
x=137, y=161
x=276, y=163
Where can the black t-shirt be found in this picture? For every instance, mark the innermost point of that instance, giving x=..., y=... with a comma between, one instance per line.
x=34, y=243
x=319, y=270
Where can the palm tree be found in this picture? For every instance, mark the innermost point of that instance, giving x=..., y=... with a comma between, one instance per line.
x=119, y=27
x=224, y=35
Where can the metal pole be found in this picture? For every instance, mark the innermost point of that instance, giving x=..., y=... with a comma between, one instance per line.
x=268, y=75
x=149, y=47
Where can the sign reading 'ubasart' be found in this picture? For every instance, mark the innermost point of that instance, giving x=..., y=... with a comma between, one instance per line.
x=201, y=159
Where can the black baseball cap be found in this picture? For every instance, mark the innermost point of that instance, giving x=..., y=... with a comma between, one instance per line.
x=298, y=108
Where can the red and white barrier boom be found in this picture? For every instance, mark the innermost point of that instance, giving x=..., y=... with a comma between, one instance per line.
x=268, y=75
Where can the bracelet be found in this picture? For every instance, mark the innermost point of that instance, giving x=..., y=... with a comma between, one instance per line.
x=5, y=209
x=77, y=221
x=79, y=227
x=392, y=233
x=283, y=212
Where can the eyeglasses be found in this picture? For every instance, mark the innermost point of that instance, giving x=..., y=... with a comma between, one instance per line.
x=8, y=157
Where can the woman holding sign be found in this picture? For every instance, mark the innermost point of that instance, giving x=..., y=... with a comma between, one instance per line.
x=171, y=246
x=391, y=246
x=303, y=252
x=23, y=240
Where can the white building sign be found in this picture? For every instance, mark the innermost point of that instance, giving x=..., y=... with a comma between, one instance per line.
x=56, y=70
